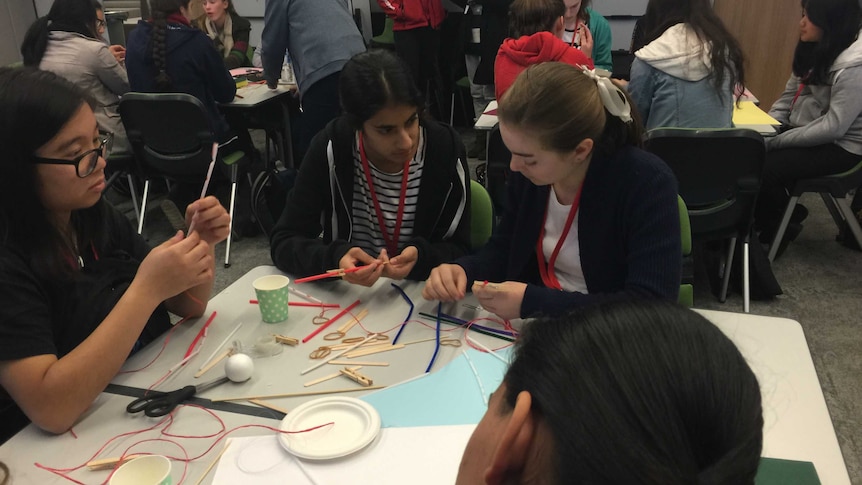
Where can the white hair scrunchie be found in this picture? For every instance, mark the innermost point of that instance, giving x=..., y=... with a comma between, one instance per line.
x=612, y=97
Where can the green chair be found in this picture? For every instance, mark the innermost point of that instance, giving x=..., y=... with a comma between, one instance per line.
x=686, y=289
x=386, y=39
x=481, y=215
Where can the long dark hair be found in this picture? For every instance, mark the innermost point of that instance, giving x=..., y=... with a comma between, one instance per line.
x=725, y=55
x=161, y=10
x=34, y=107
x=840, y=22
x=372, y=80
x=78, y=16
x=527, y=17
x=561, y=106
x=582, y=13
x=640, y=392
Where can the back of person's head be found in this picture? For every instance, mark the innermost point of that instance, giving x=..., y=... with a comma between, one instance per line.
x=527, y=17
x=34, y=107
x=78, y=16
x=561, y=106
x=839, y=20
x=373, y=80
x=640, y=392
x=726, y=56
x=161, y=10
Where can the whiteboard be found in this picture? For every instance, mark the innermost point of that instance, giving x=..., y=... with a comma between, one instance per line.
x=620, y=7
x=249, y=8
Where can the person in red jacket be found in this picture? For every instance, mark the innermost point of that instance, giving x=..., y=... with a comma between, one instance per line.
x=537, y=31
x=417, y=36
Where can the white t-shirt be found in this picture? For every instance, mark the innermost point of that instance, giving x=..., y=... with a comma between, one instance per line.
x=567, y=267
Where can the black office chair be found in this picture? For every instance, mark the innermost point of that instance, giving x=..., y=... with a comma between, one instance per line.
x=719, y=173
x=171, y=138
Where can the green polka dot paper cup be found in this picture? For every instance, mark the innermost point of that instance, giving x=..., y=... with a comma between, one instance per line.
x=272, y=297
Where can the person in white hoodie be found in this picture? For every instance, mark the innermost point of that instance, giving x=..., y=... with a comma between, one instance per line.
x=685, y=74
x=820, y=110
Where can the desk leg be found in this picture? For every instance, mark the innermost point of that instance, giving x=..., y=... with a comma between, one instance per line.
x=286, y=144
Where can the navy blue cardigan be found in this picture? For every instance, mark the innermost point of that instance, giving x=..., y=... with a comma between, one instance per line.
x=628, y=232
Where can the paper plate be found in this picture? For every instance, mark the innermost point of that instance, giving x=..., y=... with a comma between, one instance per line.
x=355, y=425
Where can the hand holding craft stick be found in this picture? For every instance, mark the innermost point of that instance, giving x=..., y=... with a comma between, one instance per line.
x=206, y=182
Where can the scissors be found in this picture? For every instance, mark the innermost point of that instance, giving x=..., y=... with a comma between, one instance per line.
x=157, y=404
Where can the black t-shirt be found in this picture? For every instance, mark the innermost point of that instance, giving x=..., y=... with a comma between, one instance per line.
x=40, y=316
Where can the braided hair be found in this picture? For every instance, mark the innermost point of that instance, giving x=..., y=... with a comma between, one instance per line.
x=161, y=10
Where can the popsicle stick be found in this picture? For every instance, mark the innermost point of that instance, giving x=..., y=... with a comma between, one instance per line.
x=367, y=345
x=363, y=353
x=333, y=357
x=212, y=363
x=264, y=404
x=350, y=362
x=108, y=463
x=212, y=464
x=297, y=394
x=327, y=378
x=353, y=321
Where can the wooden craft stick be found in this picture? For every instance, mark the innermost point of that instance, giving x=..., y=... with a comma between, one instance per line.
x=324, y=361
x=212, y=464
x=212, y=363
x=108, y=463
x=329, y=377
x=283, y=339
x=297, y=394
x=353, y=321
x=356, y=377
x=265, y=404
x=369, y=364
x=363, y=353
x=366, y=345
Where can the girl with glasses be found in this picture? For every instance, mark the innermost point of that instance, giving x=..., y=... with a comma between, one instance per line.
x=79, y=289
x=67, y=42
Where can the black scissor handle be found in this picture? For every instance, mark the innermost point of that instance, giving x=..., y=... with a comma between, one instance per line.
x=159, y=404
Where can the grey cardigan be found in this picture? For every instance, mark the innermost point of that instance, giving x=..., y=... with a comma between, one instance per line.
x=90, y=65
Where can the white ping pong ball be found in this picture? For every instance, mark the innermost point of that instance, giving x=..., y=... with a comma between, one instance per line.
x=239, y=367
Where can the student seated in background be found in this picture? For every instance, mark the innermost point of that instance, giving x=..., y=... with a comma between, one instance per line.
x=686, y=74
x=228, y=31
x=587, y=30
x=588, y=212
x=536, y=27
x=79, y=289
x=388, y=189
x=821, y=110
x=118, y=51
x=66, y=42
x=626, y=392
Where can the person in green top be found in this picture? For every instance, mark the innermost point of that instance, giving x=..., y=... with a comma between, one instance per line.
x=587, y=30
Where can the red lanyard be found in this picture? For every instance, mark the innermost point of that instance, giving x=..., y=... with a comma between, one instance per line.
x=547, y=272
x=391, y=244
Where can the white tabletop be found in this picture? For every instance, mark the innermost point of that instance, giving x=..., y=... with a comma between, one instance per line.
x=797, y=422
x=255, y=94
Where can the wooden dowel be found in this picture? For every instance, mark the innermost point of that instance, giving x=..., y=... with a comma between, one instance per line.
x=213, y=362
x=264, y=404
x=362, y=353
x=108, y=463
x=369, y=364
x=297, y=394
x=212, y=464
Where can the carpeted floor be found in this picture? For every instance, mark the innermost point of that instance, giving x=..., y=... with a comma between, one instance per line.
x=822, y=290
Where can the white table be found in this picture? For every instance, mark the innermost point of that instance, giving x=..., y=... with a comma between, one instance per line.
x=797, y=422
x=386, y=310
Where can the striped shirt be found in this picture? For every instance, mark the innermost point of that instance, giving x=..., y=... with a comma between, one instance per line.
x=387, y=186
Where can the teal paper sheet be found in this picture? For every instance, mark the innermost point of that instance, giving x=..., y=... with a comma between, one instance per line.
x=448, y=396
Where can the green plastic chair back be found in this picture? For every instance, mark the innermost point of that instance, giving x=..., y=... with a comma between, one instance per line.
x=481, y=215
x=686, y=290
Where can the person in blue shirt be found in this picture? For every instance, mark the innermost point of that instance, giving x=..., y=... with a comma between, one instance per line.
x=588, y=211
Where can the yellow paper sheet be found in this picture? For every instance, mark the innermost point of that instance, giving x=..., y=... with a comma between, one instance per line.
x=747, y=113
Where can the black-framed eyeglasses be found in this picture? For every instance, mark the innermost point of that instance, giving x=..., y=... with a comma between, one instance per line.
x=100, y=23
x=85, y=163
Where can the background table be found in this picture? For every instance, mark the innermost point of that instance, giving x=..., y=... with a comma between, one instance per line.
x=257, y=100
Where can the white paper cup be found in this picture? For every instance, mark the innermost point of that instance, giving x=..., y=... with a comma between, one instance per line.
x=144, y=470
x=272, y=297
